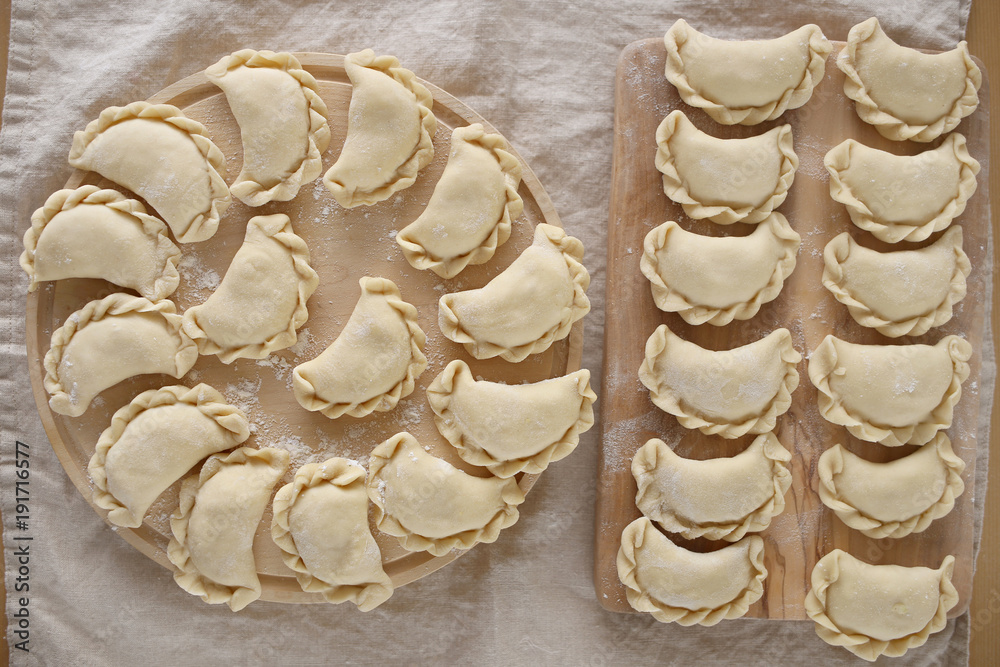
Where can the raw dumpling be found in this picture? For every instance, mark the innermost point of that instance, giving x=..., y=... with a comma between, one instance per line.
x=163, y=156
x=94, y=233
x=892, y=499
x=680, y=586
x=110, y=340
x=745, y=82
x=214, y=527
x=373, y=363
x=321, y=526
x=902, y=197
x=729, y=392
x=261, y=300
x=719, y=499
x=904, y=93
x=525, y=309
x=511, y=428
x=390, y=131
x=717, y=279
x=154, y=440
x=724, y=180
x=470, y=212
x=282, y=122
x=430, y=505
x=900, y=293
x=891, y=394
x=874, y=610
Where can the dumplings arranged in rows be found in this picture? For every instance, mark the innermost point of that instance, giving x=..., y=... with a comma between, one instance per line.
x=892, y=499
x=374, y=362
x=745, y=82
x=213, y=529
x=899, y=293
x=874, y=610
x=261, y=301
x=686, y=587
x=110, y=340
x=430, y=505
x=320, y=523
x=282, y=121
x=390, y=131
x=718, y=279
x=470, y=211
x=511, y=428
x=728, y=392
x=154, y=441
x=525, y=309
x=904, y=93
x=70, y=235
x=902, y=197
x=178, y=172
x=724, y=180
x=891, y=394
x=719, y=499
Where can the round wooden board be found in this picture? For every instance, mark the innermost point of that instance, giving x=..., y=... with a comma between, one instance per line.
x=345, y=245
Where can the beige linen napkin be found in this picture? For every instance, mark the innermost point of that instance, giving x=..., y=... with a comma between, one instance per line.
x=543, y=74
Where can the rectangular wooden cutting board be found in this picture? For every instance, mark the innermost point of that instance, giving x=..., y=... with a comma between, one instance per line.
x=806, y=530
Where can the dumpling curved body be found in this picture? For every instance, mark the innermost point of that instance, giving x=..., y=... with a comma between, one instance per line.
x=430, y=505
x=680, y=586
x=899, y=293
x=153, y=441
x=724, y=180
x=177, y=171
x=729, y=392
x=902, y=197
x=282, y=121
x=476, y=418
x=321, y=525
x=745, y=82
x=470, y=211
x=721, y=498
x=261, y=300
x=109, y=340
x=892, y=499
x=373, y=363
x=891, y=394
x=904, y=93
x=874, y=610
x=214, y=527
x=717, y=279
x=522, y=311
x=390, y=131
x=94, y=233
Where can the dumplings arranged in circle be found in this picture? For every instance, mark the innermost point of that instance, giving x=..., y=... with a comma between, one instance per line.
x=390, y=131
x=154, y=441
x=249, y=316
x=282, y=121
x=320, y=523
x=69, y=233
x=686, y=587
x=874, y=610
x=745, y=82
x=724, y=180
x=904, y=93
x=892, y=499
x=179, y=172
x=110, y=340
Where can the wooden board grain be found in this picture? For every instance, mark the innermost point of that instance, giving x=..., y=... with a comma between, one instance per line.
x=344, y=245
x=806, y=530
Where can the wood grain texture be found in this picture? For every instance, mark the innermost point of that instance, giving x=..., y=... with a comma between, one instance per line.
x=985, y=608
x=806, y=530
x=344, y=246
